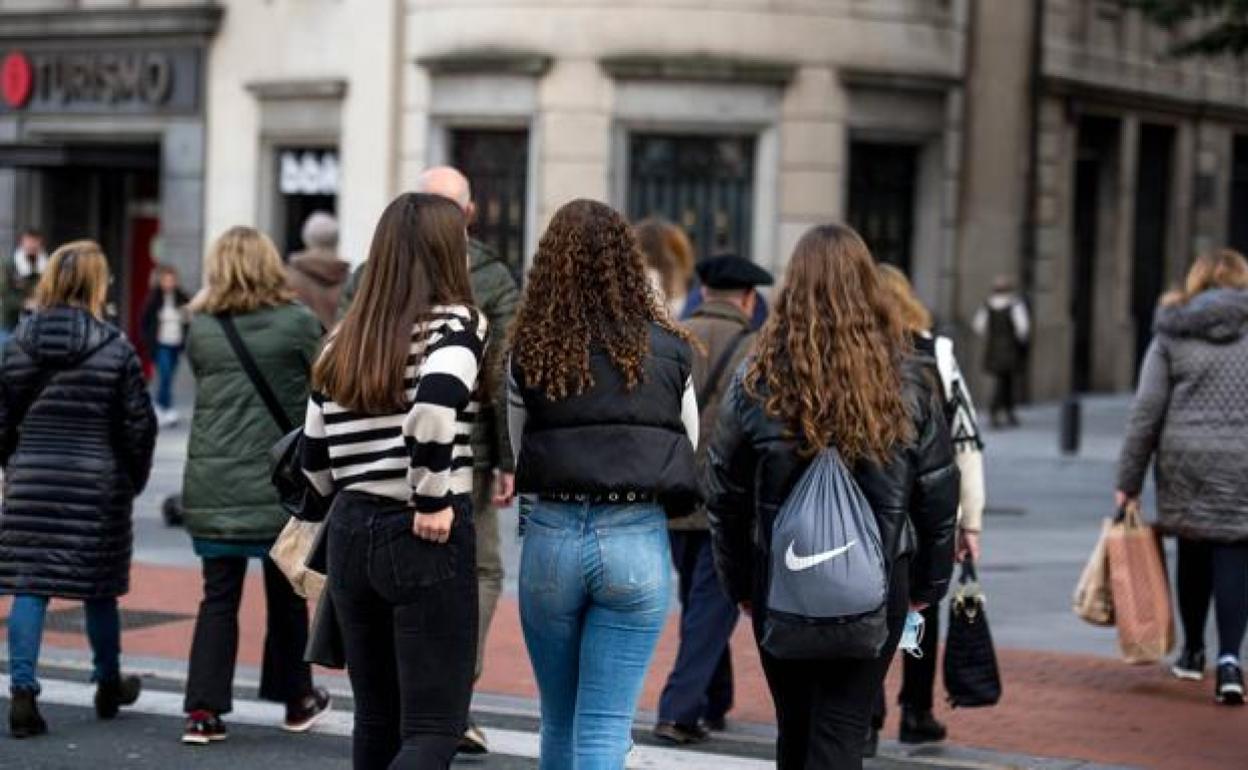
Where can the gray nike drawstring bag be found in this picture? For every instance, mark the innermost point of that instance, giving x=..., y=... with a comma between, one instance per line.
x=828, y=584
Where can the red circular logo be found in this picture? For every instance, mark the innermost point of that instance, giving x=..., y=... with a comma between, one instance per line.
x=17, y=79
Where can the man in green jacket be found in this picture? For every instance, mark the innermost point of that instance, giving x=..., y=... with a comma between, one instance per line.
x=497, y=296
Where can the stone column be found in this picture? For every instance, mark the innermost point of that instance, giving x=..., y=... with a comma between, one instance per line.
x=811, y=177
x=182, y=199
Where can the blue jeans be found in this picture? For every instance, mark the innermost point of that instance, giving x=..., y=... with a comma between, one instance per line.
x=26, y=633
x=166, y=369
x=595, y=584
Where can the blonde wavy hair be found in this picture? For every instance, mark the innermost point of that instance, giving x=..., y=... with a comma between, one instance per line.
x=1221, y=269
x=242, y=273
x=829, y=358
x=910, y=309
x=77, y=275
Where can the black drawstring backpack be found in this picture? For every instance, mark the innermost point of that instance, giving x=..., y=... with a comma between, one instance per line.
x=971, y=674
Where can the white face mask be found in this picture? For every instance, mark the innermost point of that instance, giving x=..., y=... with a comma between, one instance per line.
x=912, y=635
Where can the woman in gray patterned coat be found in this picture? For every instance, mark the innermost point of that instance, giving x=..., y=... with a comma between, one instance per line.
x=1191, y=412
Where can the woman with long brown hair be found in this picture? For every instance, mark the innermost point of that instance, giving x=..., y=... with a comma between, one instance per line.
x=834, y=368
x=604, y=422
x=1190, y=417
x=387, y=432
x=77, y=432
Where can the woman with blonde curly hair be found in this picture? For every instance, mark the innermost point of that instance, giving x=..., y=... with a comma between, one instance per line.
x=834, y=367
x=232, y=511
x=604, y=422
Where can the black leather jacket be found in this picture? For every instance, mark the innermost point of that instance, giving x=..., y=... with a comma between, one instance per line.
x=753, y=464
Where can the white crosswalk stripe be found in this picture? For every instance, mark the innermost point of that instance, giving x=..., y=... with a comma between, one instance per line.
x=260, y=714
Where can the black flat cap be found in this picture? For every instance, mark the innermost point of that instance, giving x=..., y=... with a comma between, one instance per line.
x=729, y=272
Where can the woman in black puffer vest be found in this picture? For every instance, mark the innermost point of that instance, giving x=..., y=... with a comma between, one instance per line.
x=77, y=432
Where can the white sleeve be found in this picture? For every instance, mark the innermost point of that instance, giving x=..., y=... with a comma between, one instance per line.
x=1022, y=322
x=689, y=413
x=516, y=416
x=980, y=323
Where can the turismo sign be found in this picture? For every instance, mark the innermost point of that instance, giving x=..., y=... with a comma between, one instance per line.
x=121, y=80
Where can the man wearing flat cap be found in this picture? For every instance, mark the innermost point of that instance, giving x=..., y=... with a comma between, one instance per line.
x=698, y=693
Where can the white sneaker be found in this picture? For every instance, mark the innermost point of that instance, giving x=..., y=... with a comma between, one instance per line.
x=167, y=418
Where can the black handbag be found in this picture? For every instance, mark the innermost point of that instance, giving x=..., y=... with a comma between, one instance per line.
x=325, y=646
x=972, y=677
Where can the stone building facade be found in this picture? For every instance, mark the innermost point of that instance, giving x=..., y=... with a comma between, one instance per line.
x=1049, y=140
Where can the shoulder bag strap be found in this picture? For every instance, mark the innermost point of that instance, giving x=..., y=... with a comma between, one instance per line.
x=253, y=373
x=717, y=371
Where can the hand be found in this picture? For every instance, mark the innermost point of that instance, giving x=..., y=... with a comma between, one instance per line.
x=747, y=607
x=504, y=488
x=968, y=545
x=434, y=527
x=918, y=606
x=1123, y=501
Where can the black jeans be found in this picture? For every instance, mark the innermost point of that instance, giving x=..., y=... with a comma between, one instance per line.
x=1220, y=571
x=1003, y=394
x=918, y=675
x=284, y=677
x=408, y=612
x=823, y=708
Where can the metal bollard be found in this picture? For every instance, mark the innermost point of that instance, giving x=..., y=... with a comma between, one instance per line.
x=1072, y=425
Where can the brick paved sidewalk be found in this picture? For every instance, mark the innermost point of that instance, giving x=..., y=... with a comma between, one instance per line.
x=1056, y=705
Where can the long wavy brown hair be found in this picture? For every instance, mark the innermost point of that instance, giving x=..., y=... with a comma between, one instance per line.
x=1220, y=269
x=587, y=290
x=829, y=358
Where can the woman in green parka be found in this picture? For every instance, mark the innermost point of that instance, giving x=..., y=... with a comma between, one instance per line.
x=231, y=509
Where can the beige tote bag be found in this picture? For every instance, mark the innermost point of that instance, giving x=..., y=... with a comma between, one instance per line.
x=290, y=552
x=1141, y=591
x=1093, y=601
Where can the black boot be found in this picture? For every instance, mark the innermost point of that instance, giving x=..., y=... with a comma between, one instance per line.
x=920, y=727
x=112, y=694
x=25, y=721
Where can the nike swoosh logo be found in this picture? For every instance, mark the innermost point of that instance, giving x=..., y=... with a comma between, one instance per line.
x=797, y=563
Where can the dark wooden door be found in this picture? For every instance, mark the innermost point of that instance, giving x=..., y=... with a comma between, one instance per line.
x=496, y=163
x=882, y=182
x=1152, y=213
x=703, y=183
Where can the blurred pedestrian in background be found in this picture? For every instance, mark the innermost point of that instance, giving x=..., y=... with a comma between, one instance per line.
x=1190, y=415
x=164, y=322
x=496, y=295
x=604, y=419
x=231, y=508
x=317, y=274
x=20, y=276
x=833, y=367
x=699, y=690
x=386, y=429
x=77, y=434
x=669, y=261
x=1005, y=325
x=918, y=683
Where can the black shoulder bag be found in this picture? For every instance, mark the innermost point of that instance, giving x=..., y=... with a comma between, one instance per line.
x=285, y=458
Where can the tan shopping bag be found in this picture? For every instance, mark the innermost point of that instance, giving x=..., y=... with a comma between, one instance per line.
x=1141, y=592
x=1093, y=601
x=290, y=552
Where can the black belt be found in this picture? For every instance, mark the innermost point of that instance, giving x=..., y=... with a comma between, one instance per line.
x=598, y=498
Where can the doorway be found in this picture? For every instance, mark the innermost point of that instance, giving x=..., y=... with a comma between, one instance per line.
x=1152, y=213
x=1094, y=166
x=883, y=178
x=110, y=194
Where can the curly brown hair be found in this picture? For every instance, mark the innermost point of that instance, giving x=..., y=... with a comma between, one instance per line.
x=587, y=290
x=829, y=358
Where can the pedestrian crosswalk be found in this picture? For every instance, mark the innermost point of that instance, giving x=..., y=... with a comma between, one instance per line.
x=507, y=742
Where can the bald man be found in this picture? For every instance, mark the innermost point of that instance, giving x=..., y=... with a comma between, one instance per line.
x=496, y=295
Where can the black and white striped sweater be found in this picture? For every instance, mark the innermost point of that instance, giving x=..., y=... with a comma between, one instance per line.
x=423, y=455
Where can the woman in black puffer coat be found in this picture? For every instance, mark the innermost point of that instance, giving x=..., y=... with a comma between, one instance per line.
x=77, y=432
x=833, y=367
